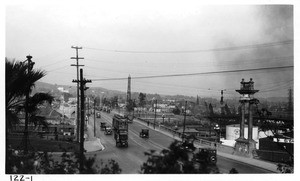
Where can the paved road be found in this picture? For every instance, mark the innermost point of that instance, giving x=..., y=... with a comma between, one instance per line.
x=130, y=159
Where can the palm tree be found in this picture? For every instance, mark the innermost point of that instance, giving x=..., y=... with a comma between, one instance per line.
x=20, y=81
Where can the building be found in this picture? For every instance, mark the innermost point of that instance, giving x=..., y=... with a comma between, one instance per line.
x=278, y=148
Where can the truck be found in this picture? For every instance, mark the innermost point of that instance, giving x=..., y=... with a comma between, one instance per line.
x=120, y=129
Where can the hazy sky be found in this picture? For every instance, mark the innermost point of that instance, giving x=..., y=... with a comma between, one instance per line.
x=157, y=38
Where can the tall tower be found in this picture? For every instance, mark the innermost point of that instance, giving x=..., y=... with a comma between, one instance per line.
x=222, y=103
x=245, y=146
x=128, y=90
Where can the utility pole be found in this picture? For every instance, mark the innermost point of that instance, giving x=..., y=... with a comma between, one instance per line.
x=78, y=111
x=155, y=113
x=82, y=82
x=94, y=117
x=184, y=120
x=88, y=107
x=26, y=137
x=133, y=108
x=290, y=103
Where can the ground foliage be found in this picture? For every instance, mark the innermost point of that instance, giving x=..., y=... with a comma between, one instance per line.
x=175, y=160
x=47, y=163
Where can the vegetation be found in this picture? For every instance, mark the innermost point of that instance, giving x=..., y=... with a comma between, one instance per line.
x=174, y=160
x=67, y=163
x=130, y=105
x=142, y=99
x=19, y=82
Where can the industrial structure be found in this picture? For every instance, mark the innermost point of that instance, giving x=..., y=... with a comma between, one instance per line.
x=245, y=146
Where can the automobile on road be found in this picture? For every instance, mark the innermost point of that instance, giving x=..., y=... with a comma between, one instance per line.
x=108, y=130
x=144, y=133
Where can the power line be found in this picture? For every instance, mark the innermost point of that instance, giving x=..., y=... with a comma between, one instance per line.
x=200, y=73
x=203, y=50
x=52, y=70
x=53, y=63
x=223, y=63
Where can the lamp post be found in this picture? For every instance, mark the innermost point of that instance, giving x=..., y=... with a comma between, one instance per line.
x=217, y=130
x=133, y=109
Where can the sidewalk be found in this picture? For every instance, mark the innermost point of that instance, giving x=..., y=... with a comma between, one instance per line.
x=91, y=143
x=251, y=161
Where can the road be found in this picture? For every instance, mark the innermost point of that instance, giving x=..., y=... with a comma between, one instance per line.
x=130, y=159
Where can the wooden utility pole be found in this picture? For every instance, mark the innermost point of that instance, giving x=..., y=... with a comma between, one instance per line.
x=155, y=113
x=78, y=110
x=94, y=117
x=82, y=82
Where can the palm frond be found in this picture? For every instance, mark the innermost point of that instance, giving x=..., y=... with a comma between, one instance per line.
x=38, y=99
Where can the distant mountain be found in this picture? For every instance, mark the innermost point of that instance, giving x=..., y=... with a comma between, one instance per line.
x=102, y=92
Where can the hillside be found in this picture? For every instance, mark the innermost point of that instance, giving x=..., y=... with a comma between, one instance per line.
x=102, y=92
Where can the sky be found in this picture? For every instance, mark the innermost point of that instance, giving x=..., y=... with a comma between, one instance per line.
x=152, y=38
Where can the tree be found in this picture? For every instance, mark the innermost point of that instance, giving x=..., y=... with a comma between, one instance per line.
x=227, y=110
x=19, y=81
x=176, y=159
x=114, y=101
x=105, y=102
x=211, y=110
x=44, y=163
x=130, y=105
x=233, y=171
x=176, y=110
x=142, y=99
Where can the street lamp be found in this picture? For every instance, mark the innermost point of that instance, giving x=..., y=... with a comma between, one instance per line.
x=217, y=130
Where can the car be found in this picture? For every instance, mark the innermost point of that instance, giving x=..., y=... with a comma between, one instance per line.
x=108, y=130
x=206, y=154
x=144, y=133
x=188, y=145
x=98, y=115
